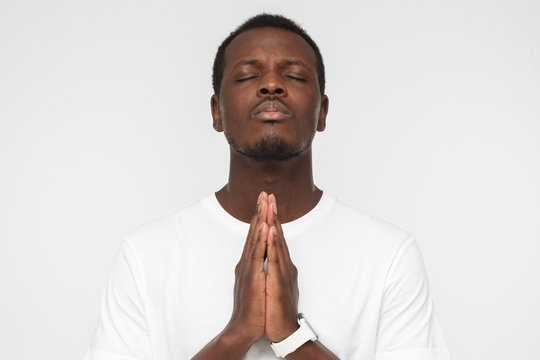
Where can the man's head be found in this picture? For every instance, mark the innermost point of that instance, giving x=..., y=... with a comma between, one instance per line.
x=269, y=100
x=258, y=21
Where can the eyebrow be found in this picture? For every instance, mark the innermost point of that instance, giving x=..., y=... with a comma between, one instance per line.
x=293, y=62
x=248, y=62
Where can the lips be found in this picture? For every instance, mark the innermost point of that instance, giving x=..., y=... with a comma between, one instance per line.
x=271, y=111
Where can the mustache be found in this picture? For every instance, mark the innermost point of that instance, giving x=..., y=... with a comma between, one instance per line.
x=270, y=105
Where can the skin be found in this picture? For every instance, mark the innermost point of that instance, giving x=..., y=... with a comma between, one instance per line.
x=267, y=64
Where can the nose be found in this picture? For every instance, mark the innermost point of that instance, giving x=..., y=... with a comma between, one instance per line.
x=271, y=84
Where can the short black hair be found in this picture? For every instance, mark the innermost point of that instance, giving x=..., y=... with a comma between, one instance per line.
x=259, y=21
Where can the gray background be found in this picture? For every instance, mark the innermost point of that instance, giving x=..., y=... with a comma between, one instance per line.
x=434, y=124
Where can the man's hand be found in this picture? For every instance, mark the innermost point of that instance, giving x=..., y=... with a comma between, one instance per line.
x=263, y=304
x=281, y=281
x=248, y=318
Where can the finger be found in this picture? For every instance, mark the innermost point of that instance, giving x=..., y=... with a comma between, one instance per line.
x=254, y=218
x=272, y=209
x=262, y=196
x=260, y=245
x=272, y=250
x=251, y=233
x=281, y=243
x=254, y=225
x=263, y=210
x=262, y=206
x=257, y=237
x=259, y=199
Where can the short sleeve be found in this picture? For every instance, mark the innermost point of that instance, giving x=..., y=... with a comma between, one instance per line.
x=122, y=332
x=408, y=326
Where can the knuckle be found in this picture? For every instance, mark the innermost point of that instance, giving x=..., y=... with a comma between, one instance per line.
x=238, y=269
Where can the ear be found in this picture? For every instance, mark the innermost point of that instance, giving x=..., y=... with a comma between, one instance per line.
x=216, y=116
x=323, y=111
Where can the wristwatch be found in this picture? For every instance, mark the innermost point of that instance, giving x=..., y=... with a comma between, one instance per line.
x=298, y=338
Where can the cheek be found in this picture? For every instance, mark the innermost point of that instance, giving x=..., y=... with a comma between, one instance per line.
x=310, y=117
x=233, y=109
x=227, y=114
x=231, y=124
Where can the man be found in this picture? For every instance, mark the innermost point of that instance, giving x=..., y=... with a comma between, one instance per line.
x=359, y=281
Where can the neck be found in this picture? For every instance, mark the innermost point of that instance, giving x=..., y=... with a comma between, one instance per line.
x=291, y=181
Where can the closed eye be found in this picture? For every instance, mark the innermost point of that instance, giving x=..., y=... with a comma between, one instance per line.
x=246, y=78
x=296, y=77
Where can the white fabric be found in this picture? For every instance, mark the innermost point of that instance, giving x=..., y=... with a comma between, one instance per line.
x=298, y=338
x=362, y=286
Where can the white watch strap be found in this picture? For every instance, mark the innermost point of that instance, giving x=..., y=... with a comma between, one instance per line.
x=298, y=338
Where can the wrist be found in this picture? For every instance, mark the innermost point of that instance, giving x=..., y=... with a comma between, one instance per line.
x=284, y=332
x=236, y=335
x=303, y=334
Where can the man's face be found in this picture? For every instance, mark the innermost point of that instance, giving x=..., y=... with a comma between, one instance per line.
x=269, y=104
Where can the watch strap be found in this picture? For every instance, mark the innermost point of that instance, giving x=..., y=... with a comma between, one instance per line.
x=298, y=338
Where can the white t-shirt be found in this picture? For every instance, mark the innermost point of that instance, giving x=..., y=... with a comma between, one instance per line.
x=362, y=285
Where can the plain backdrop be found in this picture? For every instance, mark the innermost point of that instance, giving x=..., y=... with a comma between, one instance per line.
x=434, y=125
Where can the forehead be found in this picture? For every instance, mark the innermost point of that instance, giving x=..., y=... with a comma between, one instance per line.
x=269, y=43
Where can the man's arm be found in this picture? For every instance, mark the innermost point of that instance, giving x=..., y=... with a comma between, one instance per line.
x=229, y=344
x=408, y=325
x=313, y=350
x=122, y=331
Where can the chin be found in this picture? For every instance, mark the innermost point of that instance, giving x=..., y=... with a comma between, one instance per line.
x=271, y=147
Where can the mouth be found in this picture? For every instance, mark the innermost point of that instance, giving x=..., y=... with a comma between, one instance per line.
x=271, y=111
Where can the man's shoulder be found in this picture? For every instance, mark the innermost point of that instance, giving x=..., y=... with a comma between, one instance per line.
x=374, y=227
x=162, y=232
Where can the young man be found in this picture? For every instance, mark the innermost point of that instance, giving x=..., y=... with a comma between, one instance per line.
x=178, y=291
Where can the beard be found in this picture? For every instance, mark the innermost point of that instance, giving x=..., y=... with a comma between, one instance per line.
x=270, y=148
